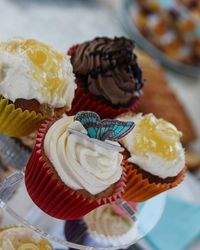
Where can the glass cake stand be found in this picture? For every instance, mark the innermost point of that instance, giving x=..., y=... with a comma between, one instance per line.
x=19, y=209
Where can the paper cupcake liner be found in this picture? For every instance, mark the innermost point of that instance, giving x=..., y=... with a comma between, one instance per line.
x=77, y=231
x=84, y=101
x=51, y=195
x=16, y=122
x=139, y=189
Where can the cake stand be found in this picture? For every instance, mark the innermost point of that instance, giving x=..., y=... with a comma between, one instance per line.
x=19, y=209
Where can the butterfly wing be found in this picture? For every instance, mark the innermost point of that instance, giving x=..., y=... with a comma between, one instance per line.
x=103, y=130
x=90, y=121
x=113, y=130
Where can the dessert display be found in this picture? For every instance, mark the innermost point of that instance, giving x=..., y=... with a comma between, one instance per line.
x=20, y=238
x=91, y=152
x=77, y=164
x=170, y=29
x=109, y=79
x=155, y=159
x=36, y=82
x=158, y=96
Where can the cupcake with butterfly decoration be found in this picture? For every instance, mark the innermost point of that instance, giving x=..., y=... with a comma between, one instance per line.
x=76, y=165
x=108, y=77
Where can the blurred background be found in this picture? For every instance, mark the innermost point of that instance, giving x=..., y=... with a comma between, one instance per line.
x=168, y=48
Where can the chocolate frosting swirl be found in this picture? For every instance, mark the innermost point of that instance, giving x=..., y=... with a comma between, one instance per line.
x=109, y=68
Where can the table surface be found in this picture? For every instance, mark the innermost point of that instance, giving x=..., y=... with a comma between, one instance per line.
x=63, y=23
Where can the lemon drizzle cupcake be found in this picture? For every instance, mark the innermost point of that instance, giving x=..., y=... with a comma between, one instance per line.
x=155, y=159
x=35, y=82
x=72, y=170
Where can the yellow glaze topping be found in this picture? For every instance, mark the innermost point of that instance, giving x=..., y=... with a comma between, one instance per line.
x=46, y=64
x=157, y=136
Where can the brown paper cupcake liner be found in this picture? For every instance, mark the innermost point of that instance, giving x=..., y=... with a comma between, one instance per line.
x=15, y=122
x=51, y=195
x=139, y=188
x=84, y=101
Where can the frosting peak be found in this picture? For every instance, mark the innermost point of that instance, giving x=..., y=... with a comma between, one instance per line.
x=154, y=145
x=32, y=70
x=22, y=239
x=80, y=163
x=110, y=69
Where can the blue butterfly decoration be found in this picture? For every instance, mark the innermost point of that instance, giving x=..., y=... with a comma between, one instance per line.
x=106, y=129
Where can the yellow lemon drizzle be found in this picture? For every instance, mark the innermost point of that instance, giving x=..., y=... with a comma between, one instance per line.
x=46, y=65
x=157, y=136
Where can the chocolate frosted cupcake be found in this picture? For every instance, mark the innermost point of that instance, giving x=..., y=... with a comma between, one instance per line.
x=155, y=159
x=36, y=82
x=109, y=78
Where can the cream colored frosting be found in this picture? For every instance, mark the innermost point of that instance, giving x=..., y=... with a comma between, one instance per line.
x=105, y=221
x=108, y=227
x=22, y=239
x=151, y=162
x=32, y=70
x=80, y=163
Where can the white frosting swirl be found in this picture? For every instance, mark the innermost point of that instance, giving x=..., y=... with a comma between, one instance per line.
x=103, y=220
x=32, y=70
x=80, y=163
x=109, y=228
x=151, y=162
x=22, y=239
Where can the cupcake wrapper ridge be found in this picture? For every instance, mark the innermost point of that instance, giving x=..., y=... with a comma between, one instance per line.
x=51, y=195
x=16, y=122
x=139, y=189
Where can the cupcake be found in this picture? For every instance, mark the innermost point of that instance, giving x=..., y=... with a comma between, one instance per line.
x=105, y=226
x=109, y=79
x=109, y=225
x=35, y=82
x=76, y=165
x=21, y=238
x=154, y=157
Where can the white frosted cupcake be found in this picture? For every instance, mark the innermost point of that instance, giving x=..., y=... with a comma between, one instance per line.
x=21, y=238
x=75, y=171
x=36, y=82
x=155, y=158
x=110, y=226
